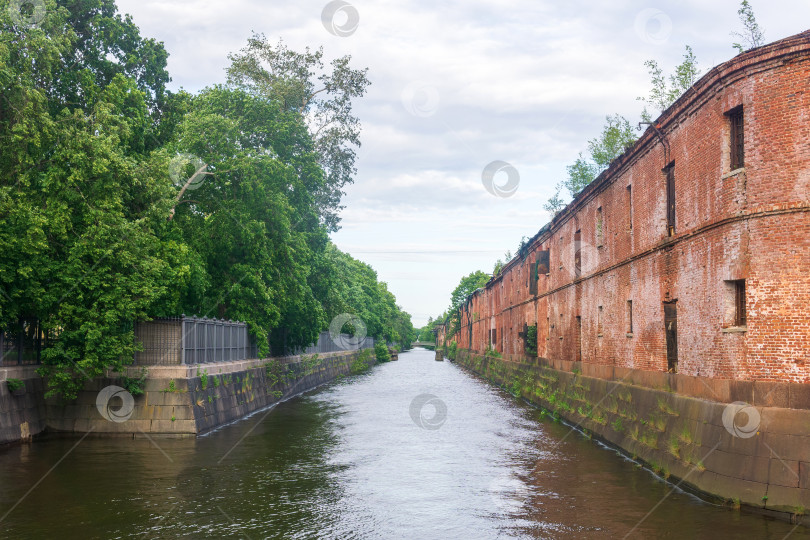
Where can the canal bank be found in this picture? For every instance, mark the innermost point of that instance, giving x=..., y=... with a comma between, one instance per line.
x=171, y=401
x=748, y=446
x=410, y=449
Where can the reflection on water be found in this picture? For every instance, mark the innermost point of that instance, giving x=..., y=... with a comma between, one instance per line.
x=415, y=449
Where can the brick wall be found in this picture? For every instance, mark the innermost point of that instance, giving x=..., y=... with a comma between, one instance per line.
x=612, y=245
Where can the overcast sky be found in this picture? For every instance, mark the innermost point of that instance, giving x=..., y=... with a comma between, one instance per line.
x=455, y=86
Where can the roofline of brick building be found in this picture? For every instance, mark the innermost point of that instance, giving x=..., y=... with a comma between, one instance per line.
x=721, y=74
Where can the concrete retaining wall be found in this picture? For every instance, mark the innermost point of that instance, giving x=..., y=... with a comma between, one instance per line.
x=750, y=455
x=21, y=416
x=177, y=400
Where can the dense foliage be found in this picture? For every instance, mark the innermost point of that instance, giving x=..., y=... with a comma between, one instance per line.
x=121, y=201
x=381, y=352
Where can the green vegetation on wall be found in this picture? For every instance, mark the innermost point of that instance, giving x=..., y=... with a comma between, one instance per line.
x=381, y=352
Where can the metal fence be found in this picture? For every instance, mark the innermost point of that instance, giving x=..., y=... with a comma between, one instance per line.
x=342, y=342
x=174, y=341
x=192, y=340
x=23, y=344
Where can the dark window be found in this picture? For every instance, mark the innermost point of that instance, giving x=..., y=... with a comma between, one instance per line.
x=543, y=262
x=671, y=330
x=629, y=316
x=739, y=303
x=737, y=138
x=577, y=253
x=670, y=172
x=630, y=207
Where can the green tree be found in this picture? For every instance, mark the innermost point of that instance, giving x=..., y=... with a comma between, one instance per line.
x=251, y=221
x=426, y=332
x=299, y=82
x=468, y=285
x=617, y=135
x=556, y=203
x=84, y=243
x=499, y=264
x=665, y=90
x=752, y=36
x=381, y=352
x=361, y=293
x=99, y=227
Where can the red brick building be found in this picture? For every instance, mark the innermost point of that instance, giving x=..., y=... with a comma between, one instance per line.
x=691, y=252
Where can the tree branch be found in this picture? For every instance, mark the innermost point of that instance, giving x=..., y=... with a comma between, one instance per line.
x=308, y=100
x=199, y=172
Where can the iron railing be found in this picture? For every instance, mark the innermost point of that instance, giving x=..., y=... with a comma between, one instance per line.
x=23, y=344
x=174, y=341
x=192, y=340
x=342, y=342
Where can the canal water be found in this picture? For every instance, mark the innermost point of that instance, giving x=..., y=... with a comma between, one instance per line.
x=414, y=449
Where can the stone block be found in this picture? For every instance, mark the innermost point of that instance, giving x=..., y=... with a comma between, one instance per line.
x=783, y=498
x=771, y=394
x=689, y=386
x=742, y=391
x=176, y=398
x=804, y=478
x=183, y=413
x=786, y=421
x=130, y=426
x=799, y=396
x=597, y=371
x=746, y=491
x=60, y=424
x=157, y=385
x=775, y=445
x=83, y=425
x=783, y=472
x=144, y=412
x=178, y=426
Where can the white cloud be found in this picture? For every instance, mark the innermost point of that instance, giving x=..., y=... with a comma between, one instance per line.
x=523, y=81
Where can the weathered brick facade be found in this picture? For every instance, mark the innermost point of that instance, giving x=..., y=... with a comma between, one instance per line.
x=733, y=270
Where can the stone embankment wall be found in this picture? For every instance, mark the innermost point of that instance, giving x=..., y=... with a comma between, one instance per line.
x=21, y=415
x=744, y=443
x=177, y=400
